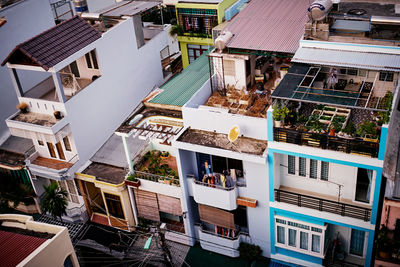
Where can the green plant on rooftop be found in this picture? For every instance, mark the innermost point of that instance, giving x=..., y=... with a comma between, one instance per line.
x=386, y=103
x=249, y=252
x=54, y=200
x=280, y=112
x=153, y=163
x=368, y=129
x=176, y=30
x=350, y=129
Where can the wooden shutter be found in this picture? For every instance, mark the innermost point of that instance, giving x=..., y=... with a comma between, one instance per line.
x=147, y=206
x=216, y=216
x=170, y=205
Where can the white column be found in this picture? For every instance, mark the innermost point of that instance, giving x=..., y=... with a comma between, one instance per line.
x=16, y=82
x=59, y=88
x=128, y=154
x=133, y=204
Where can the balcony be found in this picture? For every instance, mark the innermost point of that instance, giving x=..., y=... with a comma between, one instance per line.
x=211, y=241
x=215, y=195
x=323, y=205
x=50, y=168
x=19, y=123
x=356, y=146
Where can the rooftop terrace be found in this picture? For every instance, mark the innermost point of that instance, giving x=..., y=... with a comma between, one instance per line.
x=217, y=140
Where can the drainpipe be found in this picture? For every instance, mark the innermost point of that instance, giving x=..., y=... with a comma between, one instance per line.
x=131, y=171
x=128, y=155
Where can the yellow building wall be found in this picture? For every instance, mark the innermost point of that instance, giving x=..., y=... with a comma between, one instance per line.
x=185, y=40
x=125, y=202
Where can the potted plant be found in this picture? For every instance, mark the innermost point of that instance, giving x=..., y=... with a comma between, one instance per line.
x=368, y=130
x=383, y=243
x=164, y=155
x=279, y=114
x=176, y=30
x=349, y=130
x=132, y=180
x=58, y=115
x=23, y=107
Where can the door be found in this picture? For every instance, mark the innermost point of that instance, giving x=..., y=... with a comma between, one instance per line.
x=363, y=185
x=357, y=242
x=60, y=151
x=74, y=69
x=52, y=152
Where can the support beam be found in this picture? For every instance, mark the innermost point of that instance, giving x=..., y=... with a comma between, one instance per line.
x=128, y=154
x=16, y=82
x=58, y=85
x=133, y=204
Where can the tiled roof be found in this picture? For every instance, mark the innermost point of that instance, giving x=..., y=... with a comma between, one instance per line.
x=179, y=90
x=55, y=44
x=14, y=247
x=269, y=25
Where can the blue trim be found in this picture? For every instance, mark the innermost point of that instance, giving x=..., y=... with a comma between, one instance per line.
x=300, y=217
x=272, y=229
x=270, y=125
x=298, y=255
x=370, y=245
x=270, y=159
x=307, y=218
x=342, y=162
x=377, y=190
x=349, y=44
x=288, y=264
x=382, y=143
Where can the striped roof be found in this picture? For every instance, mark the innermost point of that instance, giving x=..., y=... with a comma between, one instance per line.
x=179, y=90
x=55, y=44
x=269, y=25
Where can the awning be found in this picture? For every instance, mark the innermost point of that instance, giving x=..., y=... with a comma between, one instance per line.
x=216, y=216
x=350, y=59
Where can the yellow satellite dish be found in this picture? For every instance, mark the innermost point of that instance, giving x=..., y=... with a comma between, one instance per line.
x=233, y=134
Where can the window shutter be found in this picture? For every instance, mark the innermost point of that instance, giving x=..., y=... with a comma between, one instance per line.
x=216, y=216
x=147, y=206
x=313, y=168
x=302, y=166
x=324, y=170
x=170, y=205
x=291, y=164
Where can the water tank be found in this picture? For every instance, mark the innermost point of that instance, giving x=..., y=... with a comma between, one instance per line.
x=222, y=40
x=80, y=5
x=319, y=9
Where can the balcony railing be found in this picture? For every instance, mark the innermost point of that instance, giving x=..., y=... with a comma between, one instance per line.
x=324, y=141
x=213, y=185
x=323, y=205
x=156, y=178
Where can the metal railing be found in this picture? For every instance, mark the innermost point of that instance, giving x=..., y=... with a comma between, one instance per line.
x=213, y=185
x=324, y=141
x=156, y=178
x=75, y=211
x=235, y=237
x=323, y=205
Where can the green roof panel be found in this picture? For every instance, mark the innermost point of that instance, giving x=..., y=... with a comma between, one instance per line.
x=179, y=90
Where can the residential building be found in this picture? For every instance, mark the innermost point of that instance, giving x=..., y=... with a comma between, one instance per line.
x=34, y=17
x=224, y=179
x=197, y=18
x=387, y=248
x=25, y=242
x=74, y=73
x=326, y=176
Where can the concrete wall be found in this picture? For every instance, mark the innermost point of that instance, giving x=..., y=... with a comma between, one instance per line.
x=128, y=75
x=25, y=19
x=258, y=218
x=95, y=5
x=390, y=213
x=338, y=175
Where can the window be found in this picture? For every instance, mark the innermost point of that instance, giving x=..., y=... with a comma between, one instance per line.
x=67, y=145
x=229, y=67
x=313, y=168
x=40, y=142
x=352, y=72
x=52, y=152
x=302, y=167
x=302, y=236
x=69, y=186
x=195, y=51
x=362, y=73
x=386, y=76
x=363, y=185
x=324, y=170
x=291, y=164
x=91, y=60
x=60, y=151
x=114, y=206
x=357, y=242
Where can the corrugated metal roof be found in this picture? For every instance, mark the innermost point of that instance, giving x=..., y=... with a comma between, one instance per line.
x=128, y=9
x=55, y=44
x=182, y=87
x=342, y=58
x=269, y=25
x=14, y=247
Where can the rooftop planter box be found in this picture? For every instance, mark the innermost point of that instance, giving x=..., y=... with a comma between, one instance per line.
x=132, y=180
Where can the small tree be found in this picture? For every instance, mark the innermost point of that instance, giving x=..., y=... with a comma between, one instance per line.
x=54, y=200
x=249, y=252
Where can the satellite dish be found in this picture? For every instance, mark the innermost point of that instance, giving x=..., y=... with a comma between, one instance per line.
x=233, y=134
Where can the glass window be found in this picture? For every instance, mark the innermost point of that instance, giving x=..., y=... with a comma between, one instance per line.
x=114, y=205
x=362, y=73
x=291, y=164
x=316, y=243
x=304, y=240
x=324, y=170
x=292, y=237
x=281, y=234
x=94, y=59
x=88, y=61
x=40, y=142
x=280, y=221
x=302, y=166
x=313, y=168
x=67, y=145
x=352, y=72
x=386, y=76
x=357, y=242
